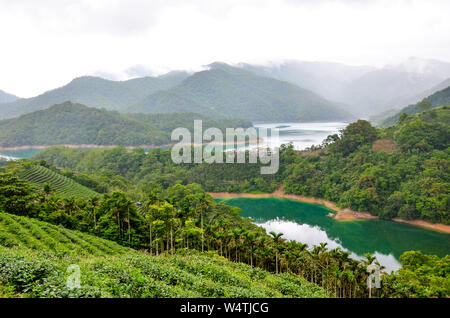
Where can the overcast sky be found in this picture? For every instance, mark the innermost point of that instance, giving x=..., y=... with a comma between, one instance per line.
x=46, y=43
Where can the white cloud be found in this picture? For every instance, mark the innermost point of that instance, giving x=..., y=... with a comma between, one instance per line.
x=46, y=43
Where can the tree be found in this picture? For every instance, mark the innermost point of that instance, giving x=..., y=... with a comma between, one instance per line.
x=424, y=106
x=277, y=240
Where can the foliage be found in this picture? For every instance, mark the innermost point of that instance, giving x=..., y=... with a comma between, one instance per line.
x=435, y=100
x=410, y=182
x=109, y=270
x=76, y=124
x=53, y=181
x=420, y=276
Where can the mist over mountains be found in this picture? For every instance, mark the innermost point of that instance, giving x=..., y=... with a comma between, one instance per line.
x=364, y=89
x=6, y=97
x=288, y=91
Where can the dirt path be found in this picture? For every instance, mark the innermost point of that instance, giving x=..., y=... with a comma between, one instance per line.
x=342, y=214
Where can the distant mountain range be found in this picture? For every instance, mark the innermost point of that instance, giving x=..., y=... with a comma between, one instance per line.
x=76, y=124
x=6, y=98
x=366, y=90
x=224, y=91
x=221, y=91
x=290, y=91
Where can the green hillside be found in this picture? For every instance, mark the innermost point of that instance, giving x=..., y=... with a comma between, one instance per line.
x=25, y=233
x=225, y=91
x=63, y=186
x=437, y=99
x=77, y=124
x=94, y=92
x=35, y=257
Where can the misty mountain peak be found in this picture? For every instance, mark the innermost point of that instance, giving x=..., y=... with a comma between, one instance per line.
x=420, y=66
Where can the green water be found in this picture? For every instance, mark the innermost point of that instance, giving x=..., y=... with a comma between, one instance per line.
x=23, y=153
x=308, y=223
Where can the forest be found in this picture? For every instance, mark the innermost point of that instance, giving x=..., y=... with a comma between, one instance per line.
x=400, y=171
x=163, y=228
x=76, y=124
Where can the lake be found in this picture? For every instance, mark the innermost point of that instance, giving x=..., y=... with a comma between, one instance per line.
x=301, y=135
x=308, y=223
x=22, y=153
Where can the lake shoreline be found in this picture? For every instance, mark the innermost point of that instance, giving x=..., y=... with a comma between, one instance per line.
x=341, y=214
x=92, y=146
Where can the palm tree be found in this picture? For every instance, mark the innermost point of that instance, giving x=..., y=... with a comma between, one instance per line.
x=276, y=239
x=94, y=203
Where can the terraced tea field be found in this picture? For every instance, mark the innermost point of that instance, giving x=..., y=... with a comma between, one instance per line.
x=63, y=186
x=23, y=232
x=37, y=258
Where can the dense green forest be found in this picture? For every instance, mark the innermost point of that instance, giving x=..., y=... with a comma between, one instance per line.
x=145, y=202
x=167, y=227
x=224, y=91
x=435, y=100
x=397, y=171
x=77, y=124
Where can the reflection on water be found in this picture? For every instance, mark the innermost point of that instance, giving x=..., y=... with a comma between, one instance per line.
x=308, y=223
x=314, y=235
x=301, y=135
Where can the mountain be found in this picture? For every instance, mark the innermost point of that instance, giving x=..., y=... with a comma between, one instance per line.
x=393, y=85
x=226, y=91
x=324, y=78
x=95, y=92
x=365, y=90
x=440, y=98
x=6, y=98
x=379, y=118
x=77, y=124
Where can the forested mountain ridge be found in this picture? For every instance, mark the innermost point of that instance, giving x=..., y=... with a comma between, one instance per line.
x=439, y=98
x=76, y=124
x=223, y=91
x=94, y=92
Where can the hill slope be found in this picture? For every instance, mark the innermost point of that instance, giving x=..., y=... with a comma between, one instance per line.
x=225, y=91
x=6, y=98
x=26, y=233
x=77, y=124
x=63, y=186
x=94, y=92
x=35, y=257
x=437, y=99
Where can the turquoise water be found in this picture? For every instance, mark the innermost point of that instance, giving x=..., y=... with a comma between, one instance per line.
x=24, y=153
x=308, y=223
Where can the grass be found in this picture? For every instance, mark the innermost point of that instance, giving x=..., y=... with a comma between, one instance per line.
x=35, y=256
x=63, y=186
